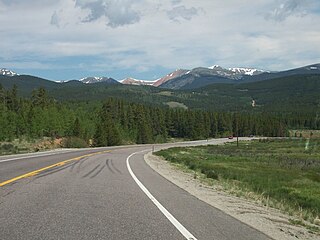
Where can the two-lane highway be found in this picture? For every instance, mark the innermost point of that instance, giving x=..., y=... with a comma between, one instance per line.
x=112, y=194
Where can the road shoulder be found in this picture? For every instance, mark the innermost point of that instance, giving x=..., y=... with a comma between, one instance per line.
x=267, y=220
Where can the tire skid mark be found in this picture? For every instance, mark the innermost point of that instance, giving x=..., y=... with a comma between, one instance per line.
x=77, y=165
x=99, y=171
x=95, y=168
x=57, y=166
x=54, y=170
x=110, y=169
x=73, y=165
x=80, y=164
x=115, y=168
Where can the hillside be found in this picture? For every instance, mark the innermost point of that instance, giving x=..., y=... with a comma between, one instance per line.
x=26, y=83
x=200, y=77
x=287, y=94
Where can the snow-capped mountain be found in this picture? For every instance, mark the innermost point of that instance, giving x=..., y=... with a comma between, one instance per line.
x=89, y=80
x=202, y=76
x=234, y=73
x=247, y=71
x=7, y=72
x=133, y=81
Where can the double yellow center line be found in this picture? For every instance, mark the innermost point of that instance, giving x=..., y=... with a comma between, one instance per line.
x=33, y=173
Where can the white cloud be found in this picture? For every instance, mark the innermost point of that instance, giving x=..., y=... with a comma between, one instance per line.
x=55, y=20
x=288, y=8
x=182, y=12
x=28, y=4
x=144, y=35
x=117, y=12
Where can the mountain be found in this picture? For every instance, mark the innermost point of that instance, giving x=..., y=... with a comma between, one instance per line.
x=155, y=83
x=246, y=71
x=6, y=72
x=132, y=81
x=307, y=70
x=291, y=94
x=200, y=77
x=298, y=93
x=26, y=83
x=90, y=80
x=234, y=73
x=175, y=74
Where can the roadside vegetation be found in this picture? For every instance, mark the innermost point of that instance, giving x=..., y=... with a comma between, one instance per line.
x=282, y=173
x=26, y=145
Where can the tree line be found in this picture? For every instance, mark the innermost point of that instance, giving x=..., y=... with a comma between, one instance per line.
x=116, y=121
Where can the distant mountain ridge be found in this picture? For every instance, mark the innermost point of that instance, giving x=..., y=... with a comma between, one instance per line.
x=200, y=77
x=172, y=75
x=195, y=78
x=157, y=82
x=234, y=73
x=133, y=81
x=90, y=80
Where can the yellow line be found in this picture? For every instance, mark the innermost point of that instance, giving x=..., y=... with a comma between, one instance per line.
x=33, y=173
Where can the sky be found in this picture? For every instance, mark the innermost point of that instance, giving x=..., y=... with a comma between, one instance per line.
x=147, y=39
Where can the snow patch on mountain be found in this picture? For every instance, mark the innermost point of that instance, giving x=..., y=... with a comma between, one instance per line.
x=234, y=73
x=7, y=72
x=133, y=81
x=246, y=71
x=214, y=67
x=88, y=80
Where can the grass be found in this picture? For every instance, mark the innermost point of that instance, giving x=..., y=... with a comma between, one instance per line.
x=176, y=105
x=165, y=93
x=284, y=172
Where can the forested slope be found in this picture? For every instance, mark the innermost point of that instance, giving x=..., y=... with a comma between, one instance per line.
x=115, y=121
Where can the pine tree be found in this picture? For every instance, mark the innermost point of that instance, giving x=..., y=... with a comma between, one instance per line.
x=76, y=128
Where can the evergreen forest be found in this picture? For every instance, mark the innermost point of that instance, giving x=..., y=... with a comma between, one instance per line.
x=117, y=121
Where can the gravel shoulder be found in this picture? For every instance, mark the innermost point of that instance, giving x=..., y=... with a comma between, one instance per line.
x=267, y=220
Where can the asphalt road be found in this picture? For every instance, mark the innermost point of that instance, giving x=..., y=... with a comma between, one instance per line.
x=109, y=195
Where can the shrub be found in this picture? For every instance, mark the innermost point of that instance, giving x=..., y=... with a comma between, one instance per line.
x=74, y=142
x=212, y=174
x=8, y=148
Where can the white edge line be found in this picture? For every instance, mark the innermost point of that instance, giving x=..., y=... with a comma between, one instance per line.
x=165, y=212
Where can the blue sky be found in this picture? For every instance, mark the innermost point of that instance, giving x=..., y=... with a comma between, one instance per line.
x=146, y=39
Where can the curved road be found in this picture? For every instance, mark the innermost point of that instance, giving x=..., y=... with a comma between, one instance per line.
x=104, y=193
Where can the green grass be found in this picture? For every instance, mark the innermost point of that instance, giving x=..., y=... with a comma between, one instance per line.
x=285, y=172
x=176, y=105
